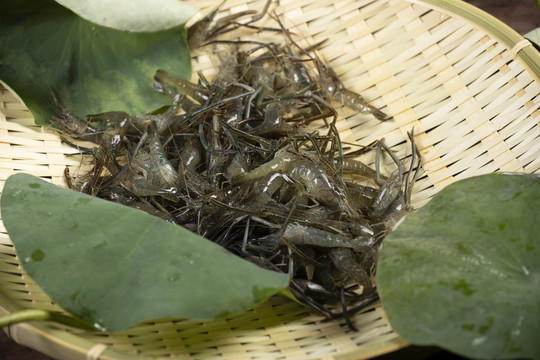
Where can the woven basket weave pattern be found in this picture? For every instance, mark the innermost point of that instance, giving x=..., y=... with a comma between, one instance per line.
x=474, y=107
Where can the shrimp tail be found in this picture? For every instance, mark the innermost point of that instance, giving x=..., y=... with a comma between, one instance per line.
x=379, y=114
x=357, y=102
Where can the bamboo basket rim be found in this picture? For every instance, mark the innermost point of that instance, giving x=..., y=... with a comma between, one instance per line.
x=54, y=340
x=520, y=47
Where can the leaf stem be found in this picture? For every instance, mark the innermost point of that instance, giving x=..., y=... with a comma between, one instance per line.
x=24, y=315
x=41, y=315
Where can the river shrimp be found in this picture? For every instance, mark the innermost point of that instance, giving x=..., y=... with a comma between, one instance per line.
x=306, y=235
x=328, y=83
x=345, y=261
x=393, y=200
x=334, y=89
x=317, y=184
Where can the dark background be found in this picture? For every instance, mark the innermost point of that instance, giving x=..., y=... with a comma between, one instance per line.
x=521, y=15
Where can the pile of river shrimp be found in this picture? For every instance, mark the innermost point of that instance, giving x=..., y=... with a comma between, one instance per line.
x=233, y=159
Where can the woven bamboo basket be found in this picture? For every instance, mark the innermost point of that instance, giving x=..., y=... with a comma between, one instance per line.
x=468, y=84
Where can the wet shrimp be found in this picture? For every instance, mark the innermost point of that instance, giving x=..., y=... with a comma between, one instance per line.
x=196, y=92
x=72, y=124
x=333, y=89
x=345, y=260
x=393, y=200
x=154, y=174
x=316, y=182
x=305, y=235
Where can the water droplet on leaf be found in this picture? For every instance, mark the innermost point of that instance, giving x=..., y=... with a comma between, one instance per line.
x=37, y=255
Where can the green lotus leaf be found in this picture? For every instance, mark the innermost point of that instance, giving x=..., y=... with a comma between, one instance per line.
x=133, y=15
x=534, y=37
x=91, y=68
x=115, y=266
x=463, y=272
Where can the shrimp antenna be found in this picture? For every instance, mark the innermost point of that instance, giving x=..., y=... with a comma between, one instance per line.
x=288, y=34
